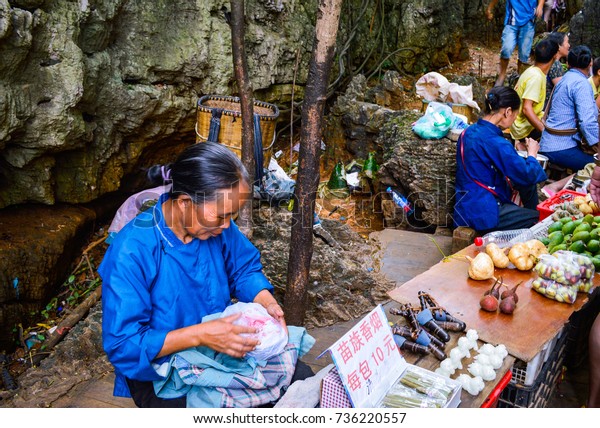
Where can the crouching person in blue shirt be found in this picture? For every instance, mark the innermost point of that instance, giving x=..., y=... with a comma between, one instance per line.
x=176, y=263
x=489, y=169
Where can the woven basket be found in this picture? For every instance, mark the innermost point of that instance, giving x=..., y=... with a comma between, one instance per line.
x=230, y=133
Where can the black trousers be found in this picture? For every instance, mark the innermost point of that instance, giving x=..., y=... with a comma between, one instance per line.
x=143, y=392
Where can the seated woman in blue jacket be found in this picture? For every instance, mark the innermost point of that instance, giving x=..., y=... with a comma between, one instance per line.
x=175, y=263
x=488, y=168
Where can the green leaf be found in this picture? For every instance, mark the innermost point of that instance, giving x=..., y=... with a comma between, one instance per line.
x=71, y=279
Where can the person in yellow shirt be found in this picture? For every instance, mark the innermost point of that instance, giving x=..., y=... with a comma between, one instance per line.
x=595, y=80
x=531, y=88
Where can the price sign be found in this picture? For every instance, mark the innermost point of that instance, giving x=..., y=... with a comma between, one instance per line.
x=368, y=360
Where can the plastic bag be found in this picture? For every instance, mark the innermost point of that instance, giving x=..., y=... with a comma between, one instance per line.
x=435, y=123
x=586, y=268
x=278, y=186
x=435, y=87
x=562, y=274
x=562, y=270
x=271, y=334
x=555, y=290
x=132, y=206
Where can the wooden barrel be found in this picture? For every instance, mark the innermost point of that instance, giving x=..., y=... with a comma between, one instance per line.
x=230, y=132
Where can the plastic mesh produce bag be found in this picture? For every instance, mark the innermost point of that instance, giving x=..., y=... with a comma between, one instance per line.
x=562, y=275
x=271, y=334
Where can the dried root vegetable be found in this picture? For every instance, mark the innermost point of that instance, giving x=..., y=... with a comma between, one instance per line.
x=498, y=256
x=526, y=254
x=520, y=257
x=481, y=267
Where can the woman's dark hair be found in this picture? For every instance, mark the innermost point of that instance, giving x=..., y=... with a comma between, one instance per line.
x=596, y=66
x=545, y=51
x=579, y=57
x=557, y=37
x=200, y=171
x=501, y=97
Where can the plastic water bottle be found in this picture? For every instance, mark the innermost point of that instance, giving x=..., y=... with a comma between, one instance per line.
x=400, y=200
x=504, y=238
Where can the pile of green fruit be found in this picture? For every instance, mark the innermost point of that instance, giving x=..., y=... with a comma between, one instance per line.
x=580, y=236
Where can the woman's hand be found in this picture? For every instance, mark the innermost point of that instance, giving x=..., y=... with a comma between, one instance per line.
x=276, y=312
x=224, y=336
x=221, y=334
x=267, y=301
x=532, y=146
x=595, y=185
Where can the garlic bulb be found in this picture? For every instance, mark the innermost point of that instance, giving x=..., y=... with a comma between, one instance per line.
x=473, y=385
x=483, y=359
x=496, y=361
x=456, y=356
x=501, y=351
x=472, y=336
x=487, y=349
x=464, y=344
x=488, y=373
x=448, y=365
x=476, y=369
x=443, y=372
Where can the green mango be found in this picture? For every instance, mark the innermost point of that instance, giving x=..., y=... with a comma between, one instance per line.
x=593, y=246
x=557, y=225
x=583, y=227
x=556, y=238
x=565, y=220
x=545, y=241
x=581, y=236
x=557, y=248
x=595, y=233
x=596, y=261
x=597, y=219
x=568, y=228
x=577, y=247
x=589, y=219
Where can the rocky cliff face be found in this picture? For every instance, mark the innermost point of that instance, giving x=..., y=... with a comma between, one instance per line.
x=90, y=90
x=584, y=27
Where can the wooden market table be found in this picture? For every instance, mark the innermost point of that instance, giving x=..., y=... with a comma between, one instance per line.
x=536, y=321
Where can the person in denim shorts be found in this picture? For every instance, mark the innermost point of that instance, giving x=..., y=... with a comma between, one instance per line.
x=519, y=30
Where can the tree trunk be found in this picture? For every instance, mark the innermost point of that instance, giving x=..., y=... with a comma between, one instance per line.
x=301, y=246
x=240, y=67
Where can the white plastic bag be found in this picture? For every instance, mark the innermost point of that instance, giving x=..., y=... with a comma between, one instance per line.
x=271, y=334
x=435, y=87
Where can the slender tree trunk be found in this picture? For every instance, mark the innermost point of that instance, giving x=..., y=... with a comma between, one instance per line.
x=240, y=67
x=301, y=246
